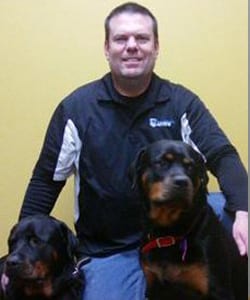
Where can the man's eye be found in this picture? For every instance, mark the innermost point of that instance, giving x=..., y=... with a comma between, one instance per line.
x=142, y=39
x=120, y=39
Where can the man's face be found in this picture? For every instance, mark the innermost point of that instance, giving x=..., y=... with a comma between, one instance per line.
x=131, y=49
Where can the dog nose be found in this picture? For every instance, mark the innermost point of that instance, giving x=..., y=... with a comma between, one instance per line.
x=13, y=261
x=181, y=181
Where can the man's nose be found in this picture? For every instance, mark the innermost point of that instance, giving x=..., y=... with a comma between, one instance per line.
x=132, y=43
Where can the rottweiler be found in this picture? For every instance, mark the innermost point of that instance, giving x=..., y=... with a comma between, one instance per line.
x=41, y=261
x=186, y=253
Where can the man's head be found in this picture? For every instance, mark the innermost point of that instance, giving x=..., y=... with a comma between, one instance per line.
x=131, y=41
x=133, y=8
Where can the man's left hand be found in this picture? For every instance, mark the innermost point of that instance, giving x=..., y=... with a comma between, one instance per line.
x=240, y=231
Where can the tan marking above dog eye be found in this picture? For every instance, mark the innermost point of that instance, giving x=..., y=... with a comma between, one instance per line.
x=169, y=156
x=187, y=161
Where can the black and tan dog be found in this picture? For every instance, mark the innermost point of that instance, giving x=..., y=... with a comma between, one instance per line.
x=41, y=261
x=186, y=254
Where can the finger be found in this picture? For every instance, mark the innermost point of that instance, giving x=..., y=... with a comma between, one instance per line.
x=241, y=244
x=246, y=245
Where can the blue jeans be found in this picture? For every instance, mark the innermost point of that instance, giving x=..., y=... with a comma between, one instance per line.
x=116, y=277
x=119, y=276
x=217, y=202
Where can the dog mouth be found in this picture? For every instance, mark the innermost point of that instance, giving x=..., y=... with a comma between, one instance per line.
x=26, y=271
x=33, y=278
x=28, y=279
x=37, y=286
x=165, y=214
x=169, y=202
x=169, y=193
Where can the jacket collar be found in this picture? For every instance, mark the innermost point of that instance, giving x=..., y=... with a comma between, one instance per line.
x=158, y=92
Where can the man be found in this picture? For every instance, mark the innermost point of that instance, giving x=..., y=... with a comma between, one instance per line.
x=96, y=132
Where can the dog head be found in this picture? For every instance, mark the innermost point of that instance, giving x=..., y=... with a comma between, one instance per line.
x=170, y=174
x=40, y=249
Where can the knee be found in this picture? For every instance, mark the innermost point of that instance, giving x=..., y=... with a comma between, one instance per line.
x=217, y=201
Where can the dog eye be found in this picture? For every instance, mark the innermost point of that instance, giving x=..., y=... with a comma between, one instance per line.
x=34, y=241
x=163, y=161
x=160, y=163
x=169, y=157
x=188, y=163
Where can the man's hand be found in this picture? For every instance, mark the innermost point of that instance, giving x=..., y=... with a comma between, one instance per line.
x=240, y=231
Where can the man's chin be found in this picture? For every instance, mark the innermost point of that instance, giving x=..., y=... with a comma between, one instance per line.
x=132, y=74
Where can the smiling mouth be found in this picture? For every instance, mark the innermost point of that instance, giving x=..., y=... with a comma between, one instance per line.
x=132, y=59
x=132, y=63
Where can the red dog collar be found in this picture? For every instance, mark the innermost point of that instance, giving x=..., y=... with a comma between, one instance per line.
x=161, y=242
x=166, y=241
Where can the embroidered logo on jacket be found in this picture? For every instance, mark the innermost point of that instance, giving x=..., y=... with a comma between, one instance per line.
x=154, y=122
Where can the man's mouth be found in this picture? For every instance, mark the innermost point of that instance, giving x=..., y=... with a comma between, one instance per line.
x=132, y=59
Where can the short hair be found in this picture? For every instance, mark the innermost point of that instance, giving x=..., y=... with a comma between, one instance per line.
x=130, y=7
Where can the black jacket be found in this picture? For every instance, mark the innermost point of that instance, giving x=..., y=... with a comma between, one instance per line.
x=95, y=133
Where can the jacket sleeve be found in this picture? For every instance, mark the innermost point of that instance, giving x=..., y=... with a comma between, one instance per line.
x=232, y=178
x=40, y=196
x=54, y=166
x=201, y=130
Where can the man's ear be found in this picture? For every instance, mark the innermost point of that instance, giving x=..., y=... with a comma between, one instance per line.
x=106, y=49
x=157, y=46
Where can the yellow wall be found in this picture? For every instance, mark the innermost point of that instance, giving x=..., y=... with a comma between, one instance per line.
x=48, y=48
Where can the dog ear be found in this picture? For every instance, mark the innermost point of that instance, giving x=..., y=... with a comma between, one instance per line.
x=70, y=240
x=202, y=171
x=204, y=178
x=136, y=167
x=11, y=234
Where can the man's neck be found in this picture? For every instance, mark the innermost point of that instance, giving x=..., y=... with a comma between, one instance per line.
x=131, y=87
